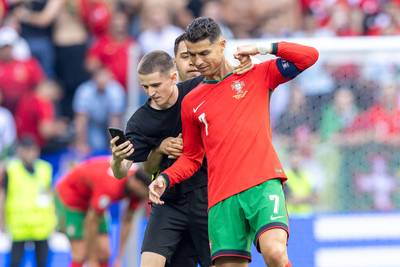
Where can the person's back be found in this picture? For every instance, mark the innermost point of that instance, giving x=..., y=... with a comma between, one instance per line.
x=88, y=182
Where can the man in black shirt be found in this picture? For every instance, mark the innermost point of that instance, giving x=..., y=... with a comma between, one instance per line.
x=155, y=129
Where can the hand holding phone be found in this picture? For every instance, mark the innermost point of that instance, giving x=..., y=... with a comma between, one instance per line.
x=117, y=132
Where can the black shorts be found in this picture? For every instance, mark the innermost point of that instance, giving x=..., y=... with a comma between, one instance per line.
x=180, y=228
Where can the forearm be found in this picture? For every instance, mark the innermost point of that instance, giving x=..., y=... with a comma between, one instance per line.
x=120, y=168
x=182, y=169
x=152, y=164
x=302, y=56
x=81, y=128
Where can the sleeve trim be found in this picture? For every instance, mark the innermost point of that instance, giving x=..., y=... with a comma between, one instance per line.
x=274, y=48
x=166, y=178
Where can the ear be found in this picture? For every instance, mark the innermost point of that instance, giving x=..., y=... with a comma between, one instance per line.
x=174, y=76
x=222, y=43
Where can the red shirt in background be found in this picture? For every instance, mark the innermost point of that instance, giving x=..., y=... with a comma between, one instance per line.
x=30, y=113
x=18, y=78
x=377, y=118
x=92, y=184
x=97, y=16
x=229, y=120
x=113, y=55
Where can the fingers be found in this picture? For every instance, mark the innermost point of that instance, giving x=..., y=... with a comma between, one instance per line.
x=243, y=69
x=156, y=189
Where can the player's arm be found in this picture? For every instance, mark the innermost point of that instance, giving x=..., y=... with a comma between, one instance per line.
x=170, y=146
x=292, y=59
x=91, y=225
x=188, y=163
x=126, y=225
x=43, y=18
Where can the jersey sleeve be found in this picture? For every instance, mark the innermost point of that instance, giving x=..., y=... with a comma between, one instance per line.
x=193, y=153
x=291, y=60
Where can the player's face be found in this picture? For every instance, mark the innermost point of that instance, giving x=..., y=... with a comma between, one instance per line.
x=207, y=57
x=159, y=87
x=185, y=67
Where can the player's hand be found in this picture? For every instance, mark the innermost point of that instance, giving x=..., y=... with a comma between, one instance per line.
x=156, y=189
x=172, y=146
x=243, y=54
x=122, y=151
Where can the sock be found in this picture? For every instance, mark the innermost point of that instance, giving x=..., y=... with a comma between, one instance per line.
x=288, y=264
x=76, y=264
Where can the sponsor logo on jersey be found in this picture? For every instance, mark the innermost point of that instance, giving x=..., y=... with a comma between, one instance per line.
x=237, y=87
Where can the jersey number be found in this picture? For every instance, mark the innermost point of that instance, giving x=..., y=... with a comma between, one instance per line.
x=202, y=119
x=275, y=198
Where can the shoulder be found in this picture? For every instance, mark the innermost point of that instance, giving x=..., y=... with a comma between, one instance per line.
x=138, y=116
x=191, y=83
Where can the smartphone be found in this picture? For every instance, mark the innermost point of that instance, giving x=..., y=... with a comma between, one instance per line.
x=117, y=132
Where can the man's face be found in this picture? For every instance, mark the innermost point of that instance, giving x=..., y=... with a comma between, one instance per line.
x=28, y=154
x=207, y=57
x=159, y=87
x=185, y=67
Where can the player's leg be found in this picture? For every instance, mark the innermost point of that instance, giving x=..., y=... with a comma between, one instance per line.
x=163, y=233
x=70, y=222
x=231, y=262
x=41, y=252
x=229, y=234
x=198, y=224
x=103, y=250
x=17, y=253
x=265, y=209
x=185, y=253
x=272, y=244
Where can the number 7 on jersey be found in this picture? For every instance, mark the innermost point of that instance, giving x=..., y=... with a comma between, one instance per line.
x=202, y=119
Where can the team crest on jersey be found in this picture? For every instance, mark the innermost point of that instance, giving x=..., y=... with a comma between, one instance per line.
x=237, y=87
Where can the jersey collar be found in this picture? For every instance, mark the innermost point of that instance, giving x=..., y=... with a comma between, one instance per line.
x=217, y=81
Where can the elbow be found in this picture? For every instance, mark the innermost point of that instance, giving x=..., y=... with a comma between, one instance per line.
x=313, y=56
x=308, y=59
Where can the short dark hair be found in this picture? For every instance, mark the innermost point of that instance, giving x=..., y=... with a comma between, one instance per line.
x=178, y=40
x=202, y=28
x=154, y=61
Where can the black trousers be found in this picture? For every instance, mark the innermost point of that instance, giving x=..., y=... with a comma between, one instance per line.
x=18, y=249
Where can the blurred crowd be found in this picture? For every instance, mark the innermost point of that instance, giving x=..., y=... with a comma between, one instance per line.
x=65, y=77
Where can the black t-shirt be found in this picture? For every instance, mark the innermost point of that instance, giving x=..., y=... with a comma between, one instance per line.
x=148, y=127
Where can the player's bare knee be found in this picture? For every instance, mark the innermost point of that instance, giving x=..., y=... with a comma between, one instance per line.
x=275, y=255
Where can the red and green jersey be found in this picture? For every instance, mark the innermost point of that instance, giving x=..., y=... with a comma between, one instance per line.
x=229, y=121
x=92, y=184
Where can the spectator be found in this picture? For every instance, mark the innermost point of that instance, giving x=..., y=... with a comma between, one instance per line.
x=7, y=131
x=21, y=50
x=112, y=50
x=98, y=103
x=97, y=16
x=35, y=115
x=378, y=124
x=29, y=210
x=70, y=39
x=158, y=31
x=300, y=192
x=297, y=114
x=338, y=115
x=17, y=77
x=37, y=18
x=213, y=9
